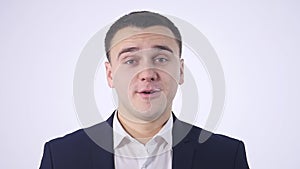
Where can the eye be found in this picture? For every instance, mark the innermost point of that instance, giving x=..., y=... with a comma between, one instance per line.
x=161, y=60
x=130, y=62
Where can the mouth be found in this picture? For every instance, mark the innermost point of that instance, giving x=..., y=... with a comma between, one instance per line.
x=149, y=93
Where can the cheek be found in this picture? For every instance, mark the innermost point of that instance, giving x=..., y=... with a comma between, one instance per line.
x=170, y=78
x=170, y=83
x=122, y=80
x=172, y=74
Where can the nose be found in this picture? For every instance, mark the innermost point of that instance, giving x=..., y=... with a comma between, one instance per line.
x=148, y=75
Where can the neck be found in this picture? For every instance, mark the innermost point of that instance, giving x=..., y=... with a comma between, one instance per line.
x=144, y=131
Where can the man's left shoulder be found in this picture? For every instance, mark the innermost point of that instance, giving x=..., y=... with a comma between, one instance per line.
x=210, y=147
x=203, y=136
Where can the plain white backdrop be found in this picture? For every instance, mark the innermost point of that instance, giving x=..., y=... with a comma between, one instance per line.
x=257, y=43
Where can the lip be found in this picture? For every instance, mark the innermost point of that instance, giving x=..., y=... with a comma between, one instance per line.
x=149, y=93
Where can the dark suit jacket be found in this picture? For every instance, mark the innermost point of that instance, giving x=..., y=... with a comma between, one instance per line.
x=81, y=150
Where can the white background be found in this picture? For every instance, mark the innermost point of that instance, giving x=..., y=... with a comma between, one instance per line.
x=257, y=43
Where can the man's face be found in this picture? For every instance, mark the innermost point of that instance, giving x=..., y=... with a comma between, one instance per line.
x=145, y=69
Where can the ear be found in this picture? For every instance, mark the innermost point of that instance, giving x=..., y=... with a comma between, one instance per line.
x=109, y=77
x=181, y=77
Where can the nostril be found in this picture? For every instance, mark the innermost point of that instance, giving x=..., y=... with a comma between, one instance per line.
x=148, y=79
x=148, y=75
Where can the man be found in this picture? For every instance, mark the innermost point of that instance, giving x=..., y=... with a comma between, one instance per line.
x=145, y=67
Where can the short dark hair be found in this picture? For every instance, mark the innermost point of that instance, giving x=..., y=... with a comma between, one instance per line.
x=141, y=19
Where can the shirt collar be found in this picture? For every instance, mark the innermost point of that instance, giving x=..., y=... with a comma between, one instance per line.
x=122, y=137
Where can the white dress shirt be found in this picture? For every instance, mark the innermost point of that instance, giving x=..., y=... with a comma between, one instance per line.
x=130, y=153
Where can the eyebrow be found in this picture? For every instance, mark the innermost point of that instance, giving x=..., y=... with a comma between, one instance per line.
x=130, y=49
x=162, y=47
x=134, y=49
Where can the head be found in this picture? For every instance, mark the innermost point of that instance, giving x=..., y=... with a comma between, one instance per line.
x=141, y=19
x=144, y=64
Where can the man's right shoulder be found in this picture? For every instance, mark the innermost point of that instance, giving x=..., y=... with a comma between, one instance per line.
x=80, y=136
x=74, y=150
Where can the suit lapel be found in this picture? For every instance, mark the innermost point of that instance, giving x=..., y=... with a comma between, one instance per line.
x=102, y=136
x=102, y=147
x=102, y=159
x=183, y=156
x=183, y=147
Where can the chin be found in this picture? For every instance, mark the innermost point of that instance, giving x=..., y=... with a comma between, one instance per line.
x=150, y=114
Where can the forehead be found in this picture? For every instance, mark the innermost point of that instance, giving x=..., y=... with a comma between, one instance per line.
x=149, y=34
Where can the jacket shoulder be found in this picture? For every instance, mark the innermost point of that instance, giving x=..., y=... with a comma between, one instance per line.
x=204, y=136
x=211, y=147
x=72, y=150
x=81, y=134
